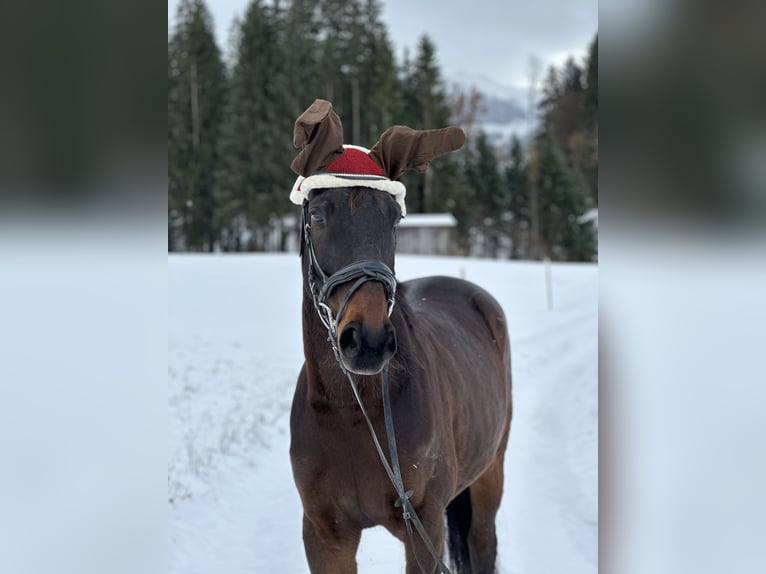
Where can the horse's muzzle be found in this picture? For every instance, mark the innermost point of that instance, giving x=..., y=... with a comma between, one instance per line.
x=365, y=349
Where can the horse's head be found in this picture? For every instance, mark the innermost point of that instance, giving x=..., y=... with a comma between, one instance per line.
x=350, y=232
x=352, y=200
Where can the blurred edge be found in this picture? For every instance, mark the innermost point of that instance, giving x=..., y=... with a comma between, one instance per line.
x=682, y=283
x=82, y=216
x=83, y=287
x=684, y=103
x=83, y=110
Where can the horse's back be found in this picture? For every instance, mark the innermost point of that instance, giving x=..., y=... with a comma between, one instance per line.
x=462, y=329
x=465, y=328
x=442, y=299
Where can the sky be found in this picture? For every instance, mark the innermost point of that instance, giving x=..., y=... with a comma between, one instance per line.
x=491, y=38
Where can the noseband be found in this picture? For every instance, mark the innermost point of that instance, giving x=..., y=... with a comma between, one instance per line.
x=322, y=286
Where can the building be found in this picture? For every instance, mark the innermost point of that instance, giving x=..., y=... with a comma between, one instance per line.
x=426, y=234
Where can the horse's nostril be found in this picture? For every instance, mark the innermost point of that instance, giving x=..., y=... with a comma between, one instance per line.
x=350, y=340
x=364, y=348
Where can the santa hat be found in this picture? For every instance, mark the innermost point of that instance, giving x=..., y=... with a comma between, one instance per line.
x=324, y=162
x=354, y=167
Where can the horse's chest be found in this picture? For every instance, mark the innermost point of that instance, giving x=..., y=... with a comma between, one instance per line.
x=346, y=479
x=359, y=483
x=364, y=498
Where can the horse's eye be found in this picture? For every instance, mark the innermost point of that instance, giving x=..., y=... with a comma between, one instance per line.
x=317, y=218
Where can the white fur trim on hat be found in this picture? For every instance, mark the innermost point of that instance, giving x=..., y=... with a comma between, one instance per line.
x=303, y=185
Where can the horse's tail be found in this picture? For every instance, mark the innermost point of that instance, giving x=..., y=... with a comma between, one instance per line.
x=458, y=522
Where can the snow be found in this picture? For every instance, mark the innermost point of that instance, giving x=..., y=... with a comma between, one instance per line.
x=428, y=220
x=588, y=216
x=234, y=352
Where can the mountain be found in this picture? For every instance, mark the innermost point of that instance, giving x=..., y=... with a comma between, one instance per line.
x=506, y=108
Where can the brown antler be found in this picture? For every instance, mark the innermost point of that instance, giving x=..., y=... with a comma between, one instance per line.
x=401, y=148
x=318, y=131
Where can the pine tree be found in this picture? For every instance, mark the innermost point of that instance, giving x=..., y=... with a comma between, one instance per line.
x=429, y=94
x=452, y=192
x=563, y=166
x=488, y=197
x=590, y=107
x=301, y=49
x=257, y=136
x=589, y=154
x=357, y=67
x=380, y=94
x=492, y=194
x=562, y=200
x=564, y=118
x=572, y=79
x=339, y=35
x=196, y=99
x=425, y=107
x=552, y=91
x=519, y=202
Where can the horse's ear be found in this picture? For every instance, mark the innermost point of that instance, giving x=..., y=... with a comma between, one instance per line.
x=401, y=148
x=319, y=132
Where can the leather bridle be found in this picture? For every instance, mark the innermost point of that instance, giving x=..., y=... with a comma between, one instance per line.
x=322, y=288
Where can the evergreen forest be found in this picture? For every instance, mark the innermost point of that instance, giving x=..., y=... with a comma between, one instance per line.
x=230, y=130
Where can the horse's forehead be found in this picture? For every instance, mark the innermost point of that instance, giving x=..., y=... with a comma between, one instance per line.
x=361, y=196
x=353, y=197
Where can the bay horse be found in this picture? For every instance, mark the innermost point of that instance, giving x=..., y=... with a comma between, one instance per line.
x=441, y=347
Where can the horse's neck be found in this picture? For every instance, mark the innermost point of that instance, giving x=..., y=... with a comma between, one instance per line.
x=325, y=377
x=326, y=380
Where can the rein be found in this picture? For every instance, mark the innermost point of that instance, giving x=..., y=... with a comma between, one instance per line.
x=363, y=271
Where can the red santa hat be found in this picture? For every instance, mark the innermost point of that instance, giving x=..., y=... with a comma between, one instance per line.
x=324, y=162
x=354, y=167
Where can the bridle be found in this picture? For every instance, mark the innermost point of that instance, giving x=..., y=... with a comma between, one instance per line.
x=322, y=288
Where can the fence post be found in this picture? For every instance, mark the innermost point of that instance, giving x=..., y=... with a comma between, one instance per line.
x=548, y=284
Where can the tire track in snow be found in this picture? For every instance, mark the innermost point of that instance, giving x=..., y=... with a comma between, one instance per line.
x=551, y=464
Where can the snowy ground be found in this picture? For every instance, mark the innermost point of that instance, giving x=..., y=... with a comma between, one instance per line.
x=234, y=352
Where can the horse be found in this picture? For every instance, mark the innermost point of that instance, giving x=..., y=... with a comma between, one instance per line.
x=448, y=355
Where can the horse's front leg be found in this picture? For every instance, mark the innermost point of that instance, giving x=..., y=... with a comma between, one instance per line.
x=330, y=546
x=432, y=518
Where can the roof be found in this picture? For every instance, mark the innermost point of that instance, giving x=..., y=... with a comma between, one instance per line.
x=428, y=220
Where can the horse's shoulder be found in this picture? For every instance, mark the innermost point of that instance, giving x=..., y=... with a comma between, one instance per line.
x=437, y=285
x=454, y=294
x=447, y=289
x=493, y=316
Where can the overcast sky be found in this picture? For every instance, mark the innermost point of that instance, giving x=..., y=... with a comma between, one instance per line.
x=493, y=38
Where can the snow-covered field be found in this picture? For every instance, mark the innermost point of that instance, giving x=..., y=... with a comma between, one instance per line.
x=234, y=352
